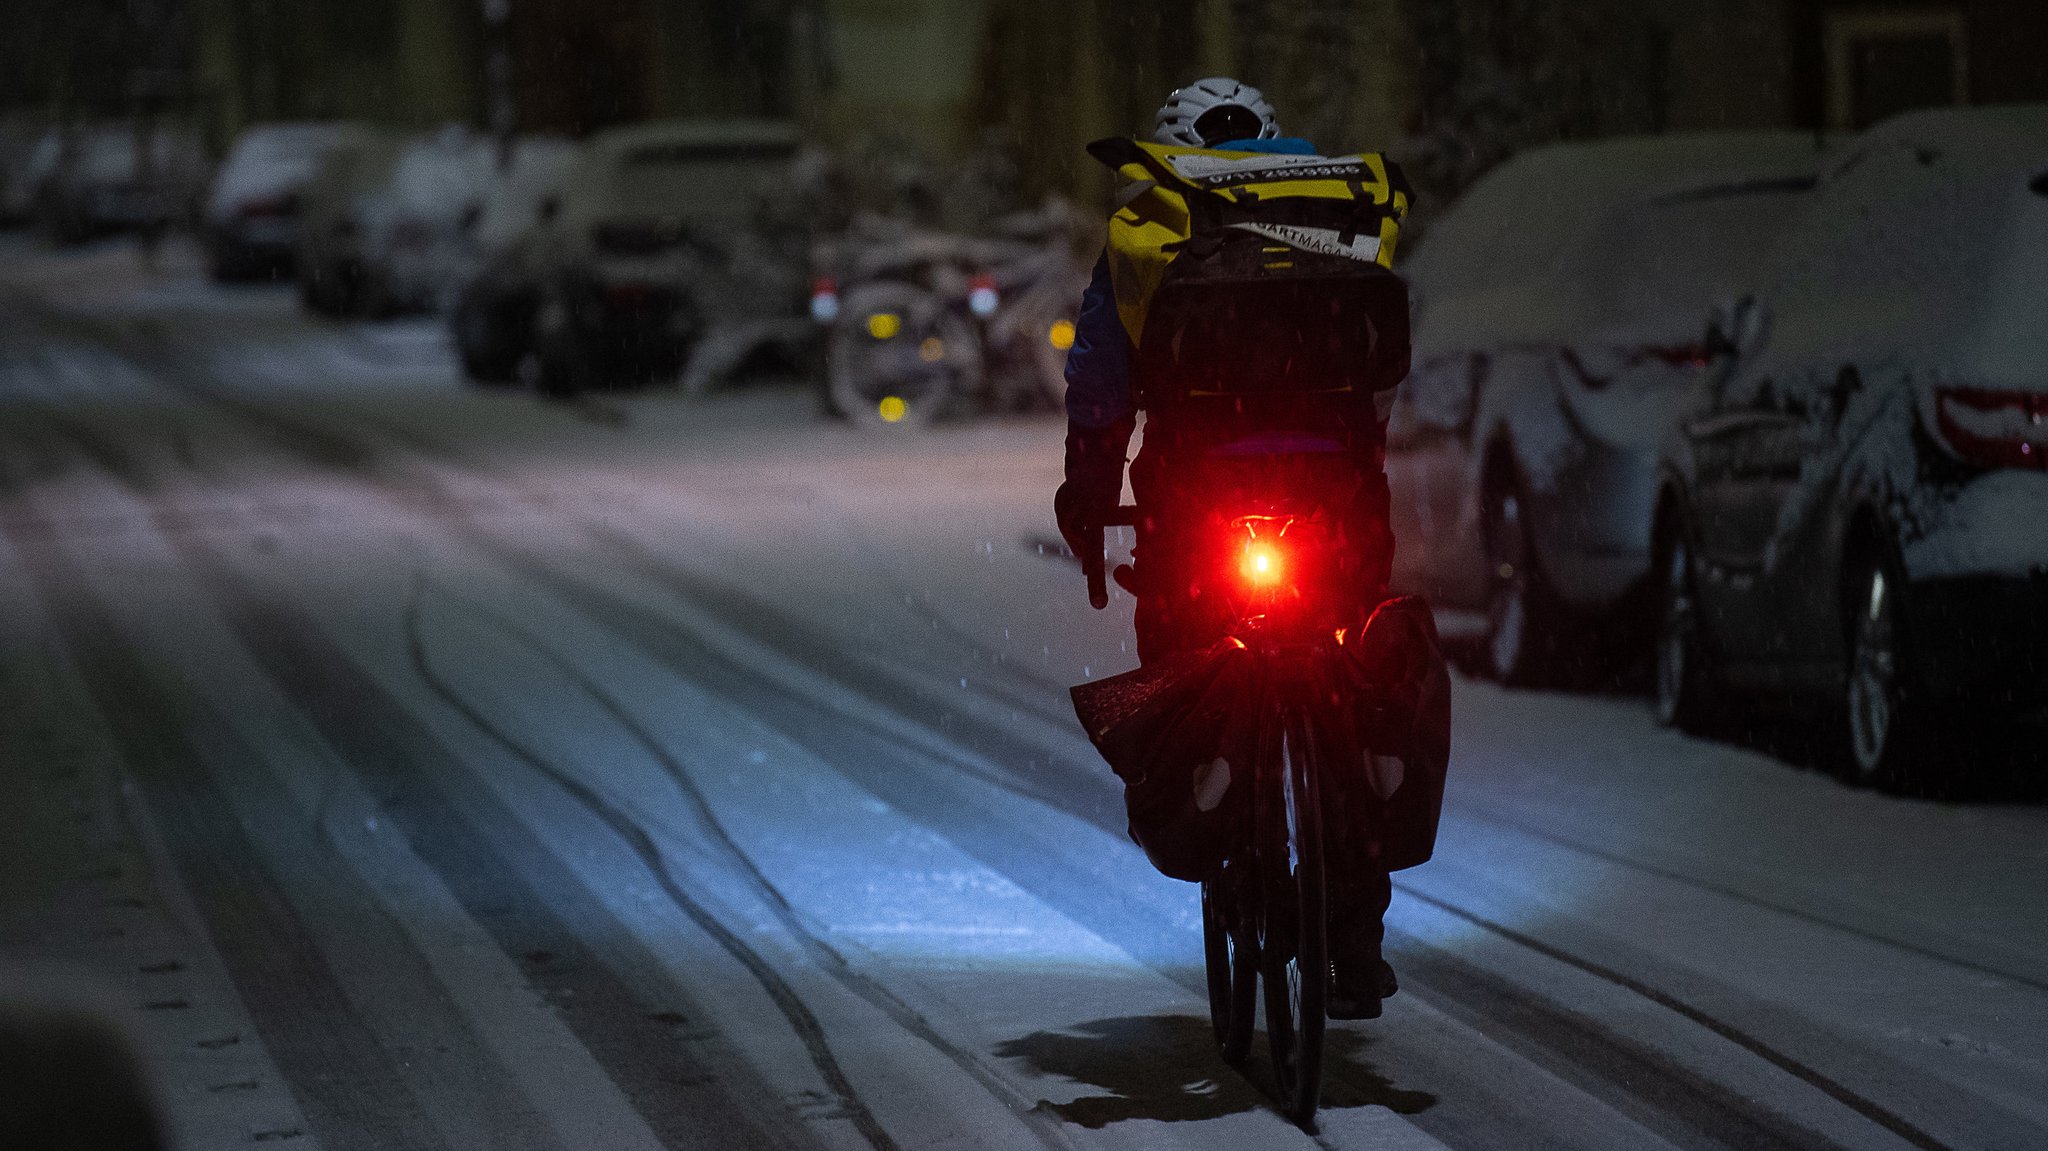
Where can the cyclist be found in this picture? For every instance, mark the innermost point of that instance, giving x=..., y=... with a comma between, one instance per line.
x=1170, y=476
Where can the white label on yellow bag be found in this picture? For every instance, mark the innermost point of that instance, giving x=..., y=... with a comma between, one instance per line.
x=1327, y=241
x=1216, y=170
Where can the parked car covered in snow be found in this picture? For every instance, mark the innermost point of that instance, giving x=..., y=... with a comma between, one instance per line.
x=1854, y=507
x=103, y=179
x=333, y=216
x=383, y=229
x=651, y=242
x=1559, y=309
x=252, y=212
x=496, y=290
x=414, y=245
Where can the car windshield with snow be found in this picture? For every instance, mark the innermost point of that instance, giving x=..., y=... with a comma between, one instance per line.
x=648, y=244
x=337, y=201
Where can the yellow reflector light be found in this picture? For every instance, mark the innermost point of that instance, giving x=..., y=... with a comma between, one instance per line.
x=932, y=350
x=884, y=325
x=892, y=409
x=1062, y=334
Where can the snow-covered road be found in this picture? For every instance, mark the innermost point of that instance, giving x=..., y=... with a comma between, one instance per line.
x=409, y=766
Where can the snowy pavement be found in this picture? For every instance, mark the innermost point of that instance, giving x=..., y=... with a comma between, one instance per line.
x=412, y=766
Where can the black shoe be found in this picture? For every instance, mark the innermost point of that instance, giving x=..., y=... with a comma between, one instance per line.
x=1356, y=989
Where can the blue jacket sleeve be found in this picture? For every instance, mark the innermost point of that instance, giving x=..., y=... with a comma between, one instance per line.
x=1099, y=364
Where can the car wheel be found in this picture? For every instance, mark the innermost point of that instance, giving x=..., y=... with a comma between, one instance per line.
x=1881, y=743
x=554, y=367
x=487, y=359
x=1521, y=614
x=1684, y=687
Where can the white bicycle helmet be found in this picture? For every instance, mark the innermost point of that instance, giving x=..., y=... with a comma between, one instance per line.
x=1215, y=111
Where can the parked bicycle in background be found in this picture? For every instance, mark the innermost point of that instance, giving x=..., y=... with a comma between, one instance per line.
x=920, y=322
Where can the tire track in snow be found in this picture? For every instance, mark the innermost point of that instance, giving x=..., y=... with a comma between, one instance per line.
x=822, y=954
x=342, y=450
x=1483, y=813
x=335, y=451
x=428, y=498
x=1635, y=1078
x=348, y=1087
x=514, y=896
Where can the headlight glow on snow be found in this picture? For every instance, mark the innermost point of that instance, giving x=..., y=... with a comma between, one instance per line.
x=884, y=325
x=892, y=409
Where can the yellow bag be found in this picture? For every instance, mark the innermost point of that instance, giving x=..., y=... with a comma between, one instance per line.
x=1343, y=206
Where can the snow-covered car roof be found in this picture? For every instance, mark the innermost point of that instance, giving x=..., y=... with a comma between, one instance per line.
x=1927, y=242
x=511, y=205
x=442, y=175
x=349, y=175
x=685, y=168
x=108, y=153
x=1639, y=235
x=276, y=159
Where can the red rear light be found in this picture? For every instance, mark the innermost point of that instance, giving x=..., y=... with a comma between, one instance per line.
x=1263, y=560
x=1262, y=564
x=1994, y=429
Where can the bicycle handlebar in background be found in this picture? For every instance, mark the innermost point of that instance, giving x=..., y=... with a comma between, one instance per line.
x=1094, y=564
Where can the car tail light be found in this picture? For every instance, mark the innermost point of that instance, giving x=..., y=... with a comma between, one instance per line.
x=270, y=206
x=628, y=294
x=636, y=237
x=1679, y=355
x=824, y=299
x=982, y=297
x=1995, y=429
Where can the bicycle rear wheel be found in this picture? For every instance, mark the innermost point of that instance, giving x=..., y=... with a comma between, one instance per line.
x=1294, y=948
x=1233, y=972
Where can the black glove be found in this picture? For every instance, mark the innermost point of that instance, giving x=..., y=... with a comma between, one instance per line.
x=1095, y=483
x=1079, y=515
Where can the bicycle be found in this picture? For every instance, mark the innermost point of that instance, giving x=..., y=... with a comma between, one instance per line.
x=917, y=322
x=1265, y=912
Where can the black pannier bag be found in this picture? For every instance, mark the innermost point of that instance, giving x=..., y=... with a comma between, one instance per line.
x=1183, y=736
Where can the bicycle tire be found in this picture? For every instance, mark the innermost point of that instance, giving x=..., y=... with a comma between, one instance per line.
x=1233, y=973
x=867, y=366
x=1295, y=946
